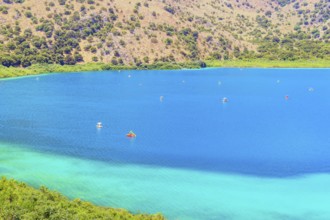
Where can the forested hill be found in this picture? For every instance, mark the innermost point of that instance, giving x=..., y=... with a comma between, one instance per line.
x=136, y=32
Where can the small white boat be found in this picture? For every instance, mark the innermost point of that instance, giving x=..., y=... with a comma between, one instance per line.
x=99, y=125
x=225, y=100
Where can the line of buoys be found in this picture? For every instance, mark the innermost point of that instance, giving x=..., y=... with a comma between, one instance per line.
x=224, y=100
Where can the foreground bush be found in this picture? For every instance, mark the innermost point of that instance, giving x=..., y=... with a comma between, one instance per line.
x=19, y=201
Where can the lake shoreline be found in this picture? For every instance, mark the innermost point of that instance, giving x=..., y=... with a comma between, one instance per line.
x=38, y=69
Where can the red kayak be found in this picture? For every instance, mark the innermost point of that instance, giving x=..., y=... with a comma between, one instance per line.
x=131, y=135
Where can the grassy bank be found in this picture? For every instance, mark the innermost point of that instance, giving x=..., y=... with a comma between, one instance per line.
x=269, y=63
x=39, y=69
x=6, y=72
x=19, y=201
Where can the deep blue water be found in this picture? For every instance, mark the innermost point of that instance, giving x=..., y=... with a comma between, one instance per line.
x=257, y=132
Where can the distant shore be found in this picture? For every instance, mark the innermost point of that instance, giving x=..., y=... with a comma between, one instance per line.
x=56, y=68
x=37, y=69
x=261, y=63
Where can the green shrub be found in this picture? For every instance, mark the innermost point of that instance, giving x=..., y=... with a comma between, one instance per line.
x=19, y=201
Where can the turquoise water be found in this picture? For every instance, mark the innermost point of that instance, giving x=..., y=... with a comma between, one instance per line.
x=259, y=156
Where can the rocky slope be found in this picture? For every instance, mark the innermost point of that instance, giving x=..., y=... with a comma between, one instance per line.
x=134, y=32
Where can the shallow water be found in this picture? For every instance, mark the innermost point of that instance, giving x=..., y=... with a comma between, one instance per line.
x=178, y=193
x=259, y=156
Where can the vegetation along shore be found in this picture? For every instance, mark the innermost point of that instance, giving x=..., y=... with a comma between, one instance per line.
x=20, y=201
x=6, y=72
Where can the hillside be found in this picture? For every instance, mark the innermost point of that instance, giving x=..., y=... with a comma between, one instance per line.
x=136, y=32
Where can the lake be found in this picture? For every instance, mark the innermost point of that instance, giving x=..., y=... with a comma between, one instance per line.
x=262, y=154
